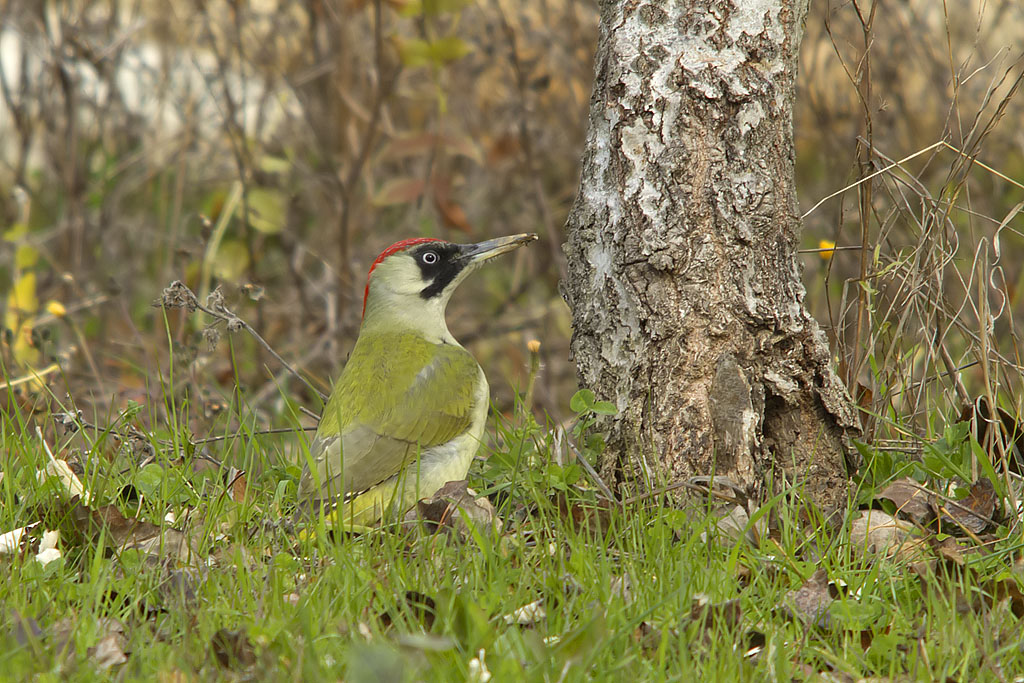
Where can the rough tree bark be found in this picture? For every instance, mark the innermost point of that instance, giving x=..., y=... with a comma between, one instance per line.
x=683, y=280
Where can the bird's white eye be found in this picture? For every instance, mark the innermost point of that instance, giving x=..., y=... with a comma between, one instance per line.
x=430, y=258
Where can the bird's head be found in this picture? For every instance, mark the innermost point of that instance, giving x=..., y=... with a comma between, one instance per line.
x=415, y=278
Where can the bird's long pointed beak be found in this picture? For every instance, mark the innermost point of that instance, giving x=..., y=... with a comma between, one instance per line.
x=482, y=251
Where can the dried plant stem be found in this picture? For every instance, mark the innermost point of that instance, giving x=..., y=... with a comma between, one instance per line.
x=177, y=295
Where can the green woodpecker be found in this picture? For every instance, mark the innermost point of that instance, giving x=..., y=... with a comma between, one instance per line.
x=408, y=412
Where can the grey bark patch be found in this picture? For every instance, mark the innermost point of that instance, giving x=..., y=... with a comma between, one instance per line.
x=734, y=423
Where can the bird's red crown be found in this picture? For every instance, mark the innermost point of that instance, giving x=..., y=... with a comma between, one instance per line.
x=393, y=249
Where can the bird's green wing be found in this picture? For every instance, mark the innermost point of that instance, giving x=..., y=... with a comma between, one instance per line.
x=398, y=394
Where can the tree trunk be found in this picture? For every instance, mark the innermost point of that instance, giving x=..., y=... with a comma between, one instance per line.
x=683, y=280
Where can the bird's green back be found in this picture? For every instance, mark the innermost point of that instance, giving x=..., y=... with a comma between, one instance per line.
x=404, y=387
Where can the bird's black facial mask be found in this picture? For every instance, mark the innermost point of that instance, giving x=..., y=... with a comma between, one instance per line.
x=439, y=263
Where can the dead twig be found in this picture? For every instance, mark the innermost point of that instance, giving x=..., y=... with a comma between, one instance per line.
x=177, y=295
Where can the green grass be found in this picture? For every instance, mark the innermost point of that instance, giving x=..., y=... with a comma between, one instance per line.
x=260, y=602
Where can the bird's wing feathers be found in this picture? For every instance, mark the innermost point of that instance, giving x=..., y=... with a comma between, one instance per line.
x=405, y=414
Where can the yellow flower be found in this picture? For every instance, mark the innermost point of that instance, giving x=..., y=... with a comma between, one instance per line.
x=56, y=309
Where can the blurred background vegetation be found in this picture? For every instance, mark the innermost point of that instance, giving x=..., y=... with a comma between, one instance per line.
x=274, y=147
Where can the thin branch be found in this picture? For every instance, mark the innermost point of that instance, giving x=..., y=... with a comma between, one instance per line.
x=177, y=295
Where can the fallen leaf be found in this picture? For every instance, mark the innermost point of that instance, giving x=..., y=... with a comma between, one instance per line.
x=128, y=533
x=527, y=615
x=10, y=541
x=25, y=630
x=109, y=651
x=121, y=531
x=912, y=501
x=457, y=510
x=973, y=513
x=649, y=637
x=478, y=672
x=714, y=618
x=810, y=602
x=233, y=649
x=48, y=551
x=68, y=480
x=734, y=524
x=593, y=517
x=238, y=486
x=949, y=552
x=1007, y=589
x=876, y=532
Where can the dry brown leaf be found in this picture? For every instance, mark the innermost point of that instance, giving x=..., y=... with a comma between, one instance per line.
x=233, y=649
x=121, y=531
x=128, y=533
x=713, y=619
x=455, y=509
x=912, y=501
x=172, y=544
x=973, y=513
x=911, y=550
x=399, y=191
x=238, y=487
x=949, y=552
x=453, y=216
x=109, y=651
x=649, y=637
x=1006, y=589
x=594, y=517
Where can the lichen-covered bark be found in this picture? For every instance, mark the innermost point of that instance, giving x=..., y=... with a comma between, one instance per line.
x=683, y=281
